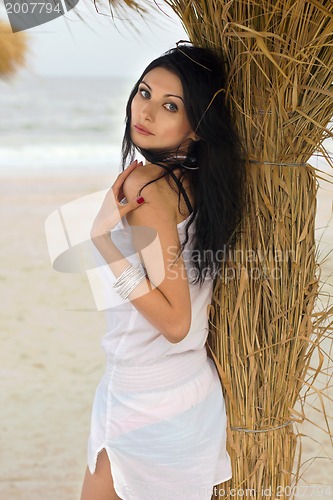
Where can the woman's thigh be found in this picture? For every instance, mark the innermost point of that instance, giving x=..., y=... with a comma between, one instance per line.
x=99, y=486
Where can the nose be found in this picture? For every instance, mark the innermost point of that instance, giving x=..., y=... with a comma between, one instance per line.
x=147, y=112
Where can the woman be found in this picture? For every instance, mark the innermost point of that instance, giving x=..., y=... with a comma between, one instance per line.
x=158, y=427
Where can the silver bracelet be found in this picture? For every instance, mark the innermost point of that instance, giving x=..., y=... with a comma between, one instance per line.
x=128, y=280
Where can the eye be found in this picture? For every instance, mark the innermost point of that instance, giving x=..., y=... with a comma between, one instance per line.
x=173, y=107
x=144, y=92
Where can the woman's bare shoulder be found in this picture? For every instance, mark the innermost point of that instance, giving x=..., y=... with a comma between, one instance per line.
x=160, y=191
x=141, y=175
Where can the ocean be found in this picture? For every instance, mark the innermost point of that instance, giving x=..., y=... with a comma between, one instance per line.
x=51, y=123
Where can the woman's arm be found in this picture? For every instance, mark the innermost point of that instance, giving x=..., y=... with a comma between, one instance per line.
x=164, y=297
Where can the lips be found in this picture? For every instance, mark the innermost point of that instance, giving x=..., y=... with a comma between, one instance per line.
x=142, y=130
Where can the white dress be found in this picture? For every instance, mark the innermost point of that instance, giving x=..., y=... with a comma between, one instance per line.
x=159, y=410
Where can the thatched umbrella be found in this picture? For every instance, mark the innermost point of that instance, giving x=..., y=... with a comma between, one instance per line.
x=263, y=329
x=12, y=50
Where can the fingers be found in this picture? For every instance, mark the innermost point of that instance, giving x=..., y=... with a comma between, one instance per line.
x=131, y=167
x=132, y=205
x=117, y=189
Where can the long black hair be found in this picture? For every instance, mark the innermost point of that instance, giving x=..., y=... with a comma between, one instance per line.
x=219, y=182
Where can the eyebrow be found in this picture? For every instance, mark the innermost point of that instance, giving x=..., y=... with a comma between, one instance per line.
x=166, y=95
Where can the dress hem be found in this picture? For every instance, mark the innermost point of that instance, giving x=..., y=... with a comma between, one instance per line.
x=112, y=467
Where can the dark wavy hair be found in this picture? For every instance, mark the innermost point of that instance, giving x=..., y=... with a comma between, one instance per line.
x=219, y=182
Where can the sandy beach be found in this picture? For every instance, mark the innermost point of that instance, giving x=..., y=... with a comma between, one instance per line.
x=51, y=359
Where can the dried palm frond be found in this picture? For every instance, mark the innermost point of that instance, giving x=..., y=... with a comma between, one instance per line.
x=12, y=50
x=118, y=8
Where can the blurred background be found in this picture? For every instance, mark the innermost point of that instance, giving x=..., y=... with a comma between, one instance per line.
x=61, y=125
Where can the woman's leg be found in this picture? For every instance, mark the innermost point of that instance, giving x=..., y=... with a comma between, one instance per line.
x=99, y=486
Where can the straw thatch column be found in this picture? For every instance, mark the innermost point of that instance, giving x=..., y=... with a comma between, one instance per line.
x=13, y=48
x=261, y=323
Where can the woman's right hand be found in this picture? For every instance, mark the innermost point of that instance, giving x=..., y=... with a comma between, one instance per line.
x=112, y=210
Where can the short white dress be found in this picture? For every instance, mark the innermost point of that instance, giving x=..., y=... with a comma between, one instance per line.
x=159, y=410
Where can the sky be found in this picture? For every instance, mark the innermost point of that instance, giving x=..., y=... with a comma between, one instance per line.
x=100, y=46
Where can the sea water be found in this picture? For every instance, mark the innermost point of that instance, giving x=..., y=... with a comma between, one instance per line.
x=48, y=124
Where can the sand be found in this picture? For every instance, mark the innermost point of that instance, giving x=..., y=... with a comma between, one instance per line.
x=51, y=359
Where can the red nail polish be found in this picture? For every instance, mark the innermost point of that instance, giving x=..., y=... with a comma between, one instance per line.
x=140, y=200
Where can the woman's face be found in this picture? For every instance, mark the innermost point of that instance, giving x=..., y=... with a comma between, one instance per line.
x=159, y=120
